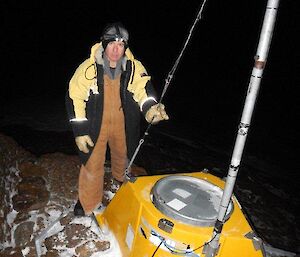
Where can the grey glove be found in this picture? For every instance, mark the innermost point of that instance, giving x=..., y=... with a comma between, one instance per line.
x=156, y=113
x=82, y=142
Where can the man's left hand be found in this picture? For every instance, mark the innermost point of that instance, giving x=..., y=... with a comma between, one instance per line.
x=156, y=113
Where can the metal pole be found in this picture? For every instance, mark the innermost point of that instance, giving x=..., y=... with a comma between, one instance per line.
x=212, y=247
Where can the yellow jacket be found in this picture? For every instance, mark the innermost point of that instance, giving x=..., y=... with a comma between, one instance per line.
x=84, y=81
x=84, y=99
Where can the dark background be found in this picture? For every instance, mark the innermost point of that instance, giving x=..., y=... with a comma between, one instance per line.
x=43, y=42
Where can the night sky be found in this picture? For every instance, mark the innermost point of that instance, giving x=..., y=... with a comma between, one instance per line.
x=43, y=42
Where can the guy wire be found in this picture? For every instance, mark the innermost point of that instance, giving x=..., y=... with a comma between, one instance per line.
x=167, y=83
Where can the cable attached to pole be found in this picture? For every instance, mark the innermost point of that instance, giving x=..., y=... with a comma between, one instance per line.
x=172, y=71
x=167, y=83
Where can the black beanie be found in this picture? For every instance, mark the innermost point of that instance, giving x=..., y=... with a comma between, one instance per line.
x=114, y=32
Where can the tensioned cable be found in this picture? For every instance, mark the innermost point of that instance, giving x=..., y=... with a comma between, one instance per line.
x=172, y=71
x=167, y=83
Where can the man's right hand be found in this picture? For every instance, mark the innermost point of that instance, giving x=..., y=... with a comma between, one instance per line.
x=82, y=142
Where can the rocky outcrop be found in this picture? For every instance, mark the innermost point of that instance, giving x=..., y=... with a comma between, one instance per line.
x=10, y=155
x=36, y=192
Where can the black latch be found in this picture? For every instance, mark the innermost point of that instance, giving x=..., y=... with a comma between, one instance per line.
x=166, y=225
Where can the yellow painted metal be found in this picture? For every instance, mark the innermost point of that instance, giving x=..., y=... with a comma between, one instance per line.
x=132, y=216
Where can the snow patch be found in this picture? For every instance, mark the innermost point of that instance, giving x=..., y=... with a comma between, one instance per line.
x=11, y=217
x=25, y=251
x=85, y=221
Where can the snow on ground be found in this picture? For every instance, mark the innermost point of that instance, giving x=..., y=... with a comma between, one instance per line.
x=267, y=197
x=58, y=232
x=66, y=251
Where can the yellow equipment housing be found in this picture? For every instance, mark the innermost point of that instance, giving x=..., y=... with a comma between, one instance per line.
x=145, y=224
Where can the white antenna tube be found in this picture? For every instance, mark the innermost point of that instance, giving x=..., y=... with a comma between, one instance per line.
x=212, y=247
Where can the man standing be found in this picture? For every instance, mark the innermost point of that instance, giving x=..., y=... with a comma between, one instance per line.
x=106, y=96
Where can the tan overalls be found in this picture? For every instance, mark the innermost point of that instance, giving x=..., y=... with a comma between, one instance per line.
x=112, y=133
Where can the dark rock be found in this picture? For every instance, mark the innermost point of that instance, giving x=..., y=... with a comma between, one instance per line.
x=75, y=234
x=33, y=180
x=12, y=252
x=33, y=199
x=51, y=253
x=11, y=152
x=91, y=247
x=23, y=233
x=66, y=220
x=28, y=169
x=21, y=203
x=21, y=216
x=102, y=245
x=57, y=172
x=32, y=193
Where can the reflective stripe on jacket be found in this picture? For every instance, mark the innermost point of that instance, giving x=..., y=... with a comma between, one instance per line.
x=84, y=99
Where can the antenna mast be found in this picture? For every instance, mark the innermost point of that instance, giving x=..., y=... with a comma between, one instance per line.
x=260, y=58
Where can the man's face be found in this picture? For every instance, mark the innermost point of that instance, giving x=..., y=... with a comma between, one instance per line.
x=114, y=51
